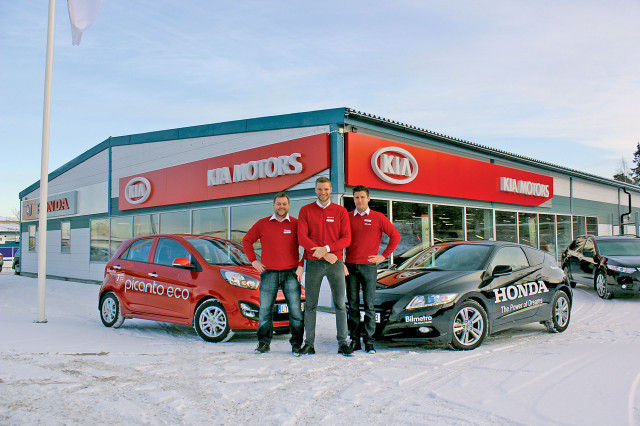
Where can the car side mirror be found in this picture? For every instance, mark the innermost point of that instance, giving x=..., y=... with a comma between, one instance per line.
x=183, y=262
x=501, y=270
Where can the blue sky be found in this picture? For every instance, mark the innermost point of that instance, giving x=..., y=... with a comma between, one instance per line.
x=555, y=81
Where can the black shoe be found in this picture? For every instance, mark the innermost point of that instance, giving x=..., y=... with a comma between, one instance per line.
x=295, y=349
x=345, y=350
x=355, y=345
x=368, y=348
x=262, y=348
x=307, y=350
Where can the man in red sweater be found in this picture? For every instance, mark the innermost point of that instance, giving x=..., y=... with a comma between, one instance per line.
x=323, y=231
x=279, y=269
x=367, y=227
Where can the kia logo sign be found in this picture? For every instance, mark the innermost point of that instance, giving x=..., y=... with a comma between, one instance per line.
x=394, y=165
x=137, y=190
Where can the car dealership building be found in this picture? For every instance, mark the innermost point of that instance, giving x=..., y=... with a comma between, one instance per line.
x=218, y=179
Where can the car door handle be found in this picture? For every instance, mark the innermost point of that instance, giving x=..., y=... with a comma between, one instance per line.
x=151, y=274
x=116, y=267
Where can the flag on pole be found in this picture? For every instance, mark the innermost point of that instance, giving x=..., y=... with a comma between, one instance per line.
x=82, y=14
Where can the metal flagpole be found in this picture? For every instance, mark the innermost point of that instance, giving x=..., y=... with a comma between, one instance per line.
x=44, y=171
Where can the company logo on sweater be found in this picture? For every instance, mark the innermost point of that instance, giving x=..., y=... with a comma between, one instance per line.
x=394, y=165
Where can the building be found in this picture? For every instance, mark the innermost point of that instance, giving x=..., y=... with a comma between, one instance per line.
x=218, y=179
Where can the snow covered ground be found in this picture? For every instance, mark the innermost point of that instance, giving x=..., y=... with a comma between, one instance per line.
x=73, y=370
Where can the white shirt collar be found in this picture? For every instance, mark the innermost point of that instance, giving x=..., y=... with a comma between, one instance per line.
x=364, y=213
x=274, y=217
x=321, y=206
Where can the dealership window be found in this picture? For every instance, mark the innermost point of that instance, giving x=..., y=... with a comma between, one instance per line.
x=381, y=206
x=65, y=237
x=243, y=218
x=175, y=222
x=412, y=220
x=145, y=224
x=32, y=238
x=506, y=227
x=121, y=229
x=579, y=226
x=447, y=224
x=296, y=205
x=479, y=224
x=211, y=222
x=528, y=229
x=99, y=240
x=563, y=227
x=592, y=225
x=548, y=233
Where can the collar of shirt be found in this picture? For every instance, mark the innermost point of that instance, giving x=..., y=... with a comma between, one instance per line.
x=321, y=206
x=364, y=213
x=273, y=217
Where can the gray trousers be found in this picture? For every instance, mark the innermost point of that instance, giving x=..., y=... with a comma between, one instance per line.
x=316, y=270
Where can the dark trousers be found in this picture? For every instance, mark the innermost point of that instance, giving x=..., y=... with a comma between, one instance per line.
x=270, y=282
x=362, y=277
x=316, y=270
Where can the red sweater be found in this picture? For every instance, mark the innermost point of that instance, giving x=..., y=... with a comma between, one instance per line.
x=318, y=227
x=279, y=243
x=366, y=235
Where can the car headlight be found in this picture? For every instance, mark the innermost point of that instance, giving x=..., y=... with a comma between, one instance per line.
x=621, y=269
x=240, y=280
x=423, y=301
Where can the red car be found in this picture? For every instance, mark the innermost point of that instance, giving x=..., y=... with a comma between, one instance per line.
x=185, y=279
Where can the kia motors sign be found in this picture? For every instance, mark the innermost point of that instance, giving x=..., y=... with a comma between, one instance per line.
x=137, y=190
x=383, y=164
x=394, y=165
x=269, y=168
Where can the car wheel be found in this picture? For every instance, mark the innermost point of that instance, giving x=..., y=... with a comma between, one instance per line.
x=560, y=313
x=469, y=326
x=110, y=310
x=211, y=322
x=566, y=277
x=600, y=285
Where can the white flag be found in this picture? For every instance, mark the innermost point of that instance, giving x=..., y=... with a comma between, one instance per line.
x=82, y=14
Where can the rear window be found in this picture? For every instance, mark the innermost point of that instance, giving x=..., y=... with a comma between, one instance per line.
x=138, y=251
x=535, y=257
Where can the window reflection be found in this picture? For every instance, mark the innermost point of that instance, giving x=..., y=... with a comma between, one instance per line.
x=528, y=229
x=506, y=228
x=479, y=224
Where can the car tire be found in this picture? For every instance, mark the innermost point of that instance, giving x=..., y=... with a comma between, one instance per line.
x=16, y=270
x=567, y=279
x=560, y=313
x=211, y=322
x=468, y=326
x=110, y=313
x=600, y=286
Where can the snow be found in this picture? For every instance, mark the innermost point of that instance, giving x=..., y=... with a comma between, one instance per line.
x=73, y=370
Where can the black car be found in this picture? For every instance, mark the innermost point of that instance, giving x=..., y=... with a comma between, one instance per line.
x=458, y=293
x=611, y=264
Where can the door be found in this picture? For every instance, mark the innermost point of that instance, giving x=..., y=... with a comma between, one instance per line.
x=131, y=274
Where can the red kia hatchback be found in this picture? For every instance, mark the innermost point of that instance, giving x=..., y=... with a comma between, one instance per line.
x=185, y=279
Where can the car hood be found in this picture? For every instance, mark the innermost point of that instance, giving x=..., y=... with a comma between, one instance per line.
x=416, y=281
x=631, y=261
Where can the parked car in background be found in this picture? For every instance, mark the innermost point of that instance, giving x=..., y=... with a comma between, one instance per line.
x=611, y=264
x=1, y=261
x=195, y=280
x=16, y=262
x=458, y=293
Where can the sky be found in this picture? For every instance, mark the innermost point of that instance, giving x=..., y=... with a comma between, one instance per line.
x=554, y=81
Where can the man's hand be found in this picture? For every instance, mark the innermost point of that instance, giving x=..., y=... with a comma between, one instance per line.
x=319, y=252
x=257, y=265
x=330, y=257
x=299, y=271
x=378, y=258
x=346, y=271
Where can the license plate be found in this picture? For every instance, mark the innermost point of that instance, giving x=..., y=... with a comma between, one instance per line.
x=283, y=309
x=377, y=316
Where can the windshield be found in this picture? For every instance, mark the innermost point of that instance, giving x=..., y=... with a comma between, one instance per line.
x=218, y=252
x=459, y=257
x=619, y=247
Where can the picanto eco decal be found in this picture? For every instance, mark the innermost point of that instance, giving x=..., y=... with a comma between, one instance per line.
x=394, y=165
x=137, y=190
x=154, y=288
